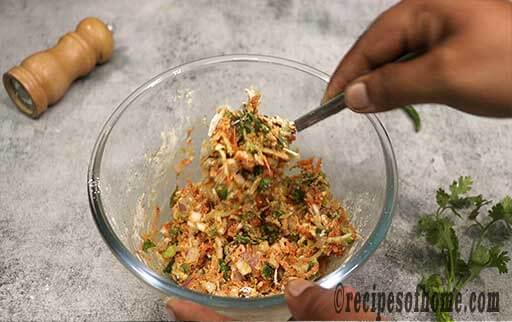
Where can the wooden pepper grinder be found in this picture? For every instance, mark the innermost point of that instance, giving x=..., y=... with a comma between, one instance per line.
x=44, y=77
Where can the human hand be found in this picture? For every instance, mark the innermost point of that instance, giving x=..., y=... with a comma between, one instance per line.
x=306, y=301
x=466, y=59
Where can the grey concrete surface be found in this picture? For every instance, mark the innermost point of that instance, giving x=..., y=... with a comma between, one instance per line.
x=53, y=262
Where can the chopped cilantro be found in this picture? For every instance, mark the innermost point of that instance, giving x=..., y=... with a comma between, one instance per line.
x=297, y=195
x=311, y=264
x=260, y=127
x=277, y=213
x=242, y=239
x=170, y=251
x=308, y=178
x=293, y=237
x=247, y=215
x=264, y=184
x=147, y=245
x=270, y=233
x=168, y=268
x=224, y=269
x=267, y=271
x=174, y=232
x=282, y=142
x=222, y=192
x=185, y=267
x=258, y=170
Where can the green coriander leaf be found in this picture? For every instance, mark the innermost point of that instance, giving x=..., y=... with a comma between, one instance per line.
x=480, y=255
x=251, y=147
x=258, y=170
x=260, y=127
x=460, y=203
x=478, y=202
x=502, y=210
x=174, y=232
x=264, y=184
x=414, y=116
x=463, y=185
x=282, y=142
x=222, y=192
x=497, y=212
x=311, y=264
x=442, y=198
x=439, y=232
x=297, y=195
x=185, y=267
x=498, y=259
x=507, y=204
x=170, y=251
x=247, y=215
x=278, y=213
x=168, y=268
x=147, y=245
x=242, y=239
x=308, y=178
x=270, y=233
x=444, y=316
x=293, y=237
x=432, y=284
x=267, y=271
x=224, y=269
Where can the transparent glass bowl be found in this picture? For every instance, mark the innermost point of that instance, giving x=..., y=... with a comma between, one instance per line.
x=131, y=168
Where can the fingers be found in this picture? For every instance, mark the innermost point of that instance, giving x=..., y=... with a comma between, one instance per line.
x=307, y=301
x=188, y=311
x=395, y=85
x=404, y=28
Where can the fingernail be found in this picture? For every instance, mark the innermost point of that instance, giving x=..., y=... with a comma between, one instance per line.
x=357, y=97
x=168, y=307
x=297, y=287
x=170, y=313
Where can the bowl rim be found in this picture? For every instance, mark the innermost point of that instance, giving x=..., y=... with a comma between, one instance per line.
x=169, y=288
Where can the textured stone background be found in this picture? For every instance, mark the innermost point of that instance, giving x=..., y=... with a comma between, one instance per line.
x=53, y=262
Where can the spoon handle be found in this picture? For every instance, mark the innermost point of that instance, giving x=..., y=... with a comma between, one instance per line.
x=332, y=106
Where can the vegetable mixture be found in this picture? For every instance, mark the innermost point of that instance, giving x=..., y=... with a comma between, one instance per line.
x=258, y=218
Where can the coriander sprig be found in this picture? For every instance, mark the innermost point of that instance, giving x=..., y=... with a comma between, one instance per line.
x=414, y=116
x=438, y=230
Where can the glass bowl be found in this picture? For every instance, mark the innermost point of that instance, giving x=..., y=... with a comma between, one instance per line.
x=131, y=168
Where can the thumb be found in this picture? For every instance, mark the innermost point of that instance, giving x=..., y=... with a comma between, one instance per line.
x=396, y=85
x=308, y=301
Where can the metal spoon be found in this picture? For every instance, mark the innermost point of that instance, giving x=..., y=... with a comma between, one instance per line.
x=332, y=106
